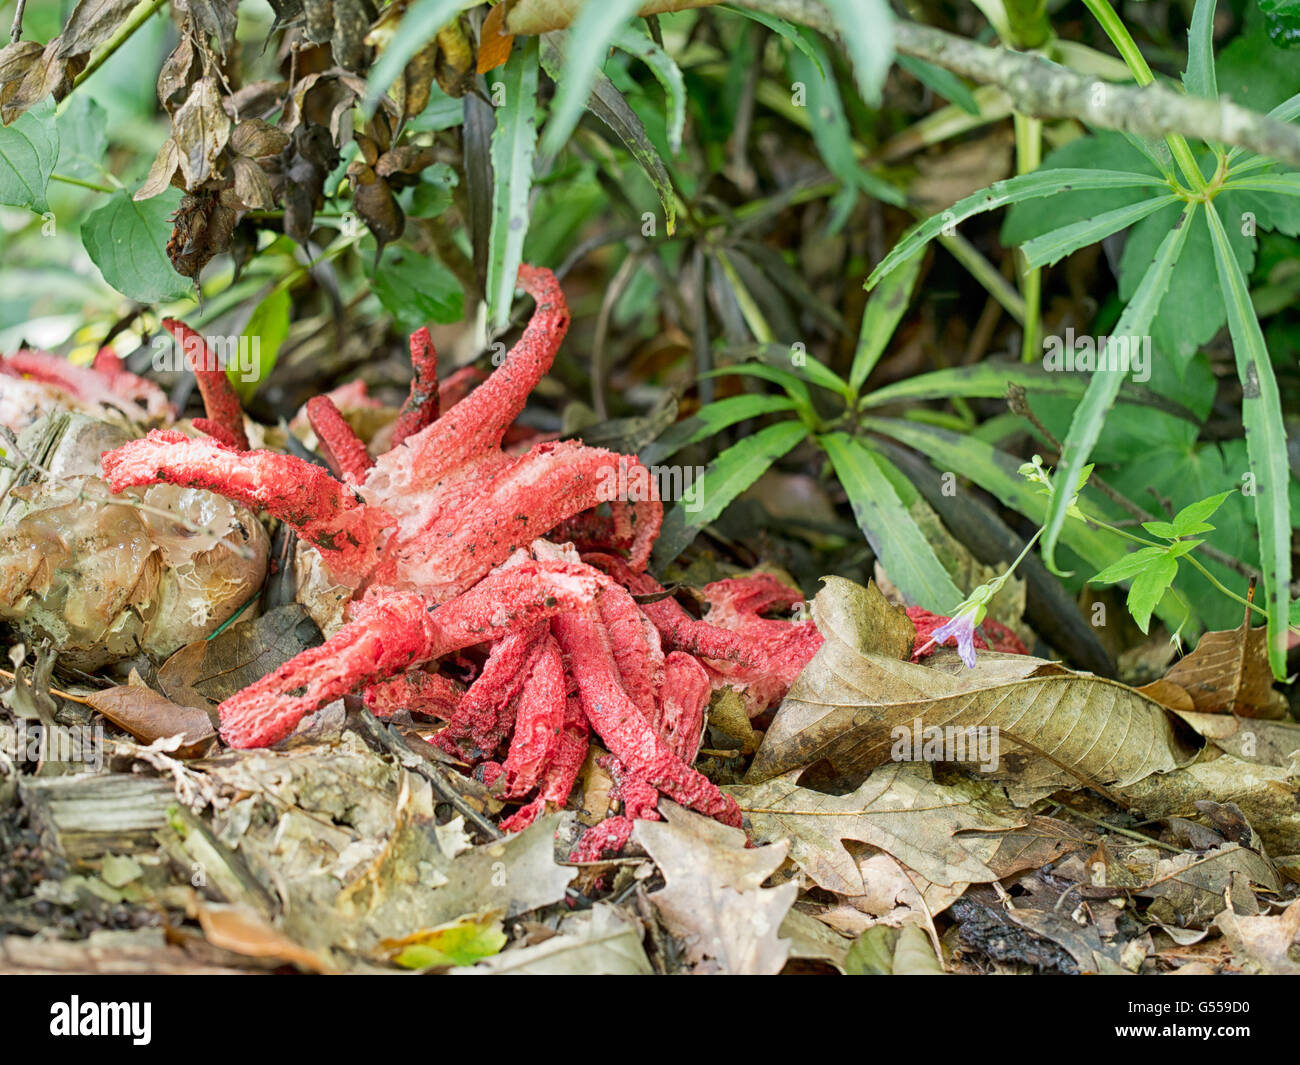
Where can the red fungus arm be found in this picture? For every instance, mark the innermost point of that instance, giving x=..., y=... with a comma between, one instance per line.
x=417, y=691
x=392, y=632
x=325, y=513
x=539, y=720
x=482, y=719
x=421, y=406
x=339, y=445
x=561, y=772
x=476, y=424
x=219, y=399
x=624, y=729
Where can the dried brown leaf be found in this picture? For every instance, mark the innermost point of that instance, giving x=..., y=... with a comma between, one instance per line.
x=149, y=716
x=1055, y=728
x=92, y=23
x=897, y=809
x=200, y=129
x=1229, y=673
x=714, y=903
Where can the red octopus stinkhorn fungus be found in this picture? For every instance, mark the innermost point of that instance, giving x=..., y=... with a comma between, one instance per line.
x=442, y=539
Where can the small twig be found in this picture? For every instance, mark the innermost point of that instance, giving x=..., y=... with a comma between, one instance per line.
x=16, y=31
x=1121, y=831
x=124, y=34
x=394, y=743
x=52, y=690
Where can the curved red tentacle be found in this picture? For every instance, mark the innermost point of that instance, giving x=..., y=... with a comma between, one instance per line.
x=325, y=513
x=339, y=445
x=219, y=399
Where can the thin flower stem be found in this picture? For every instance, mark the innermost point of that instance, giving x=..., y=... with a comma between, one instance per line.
x=81, y=184
x=1128, y=50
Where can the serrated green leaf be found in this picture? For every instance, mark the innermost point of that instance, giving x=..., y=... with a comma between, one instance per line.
x=514, y=144
x=1090, y=416
x=666, y=71
x=710, y=420
x=866, y=29
x=726, y=477
x=1265, y=440
x=1128, y=566
x=894, y=536
x=586, y=44
x=1051, y=247
x=1190, y=519
x=884, y=310
x=1148, y=588
x=1199, y=77
x=29, y=148
x=128, y=242
x=1000, y=194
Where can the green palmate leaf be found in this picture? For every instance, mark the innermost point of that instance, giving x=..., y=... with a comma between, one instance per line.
x=710, y=420
x=1129, y=566
x=667, y=72
x=1191, y=519
x=1052, y=247
x=1261, y=416
x=783, y=29
x=420, y=24
x=265, y=334
x=726, y=477
x=585, y=46
x=514, y=144
x=128, y=242
x=867, y=29
x=29, y=148
x=610, y=106
x=1001, y=193
x=884, y=310
x=1090, y=415
x=1199, y=78
x=941, y=81
x=416, y=290
x=894, y=536
x=1149, y=587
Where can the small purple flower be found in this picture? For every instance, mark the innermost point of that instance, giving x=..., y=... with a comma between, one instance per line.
x=963, y=627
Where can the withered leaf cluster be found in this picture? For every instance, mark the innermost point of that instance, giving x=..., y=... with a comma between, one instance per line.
x=267, y=145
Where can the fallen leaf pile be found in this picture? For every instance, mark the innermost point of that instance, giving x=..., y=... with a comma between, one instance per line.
x=899, y=818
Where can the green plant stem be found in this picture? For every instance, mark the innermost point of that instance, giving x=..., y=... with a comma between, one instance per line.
x=65, y=179
x=1128, y=50
x=141, y=16
x=1193, y=561
x=1029, y=155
